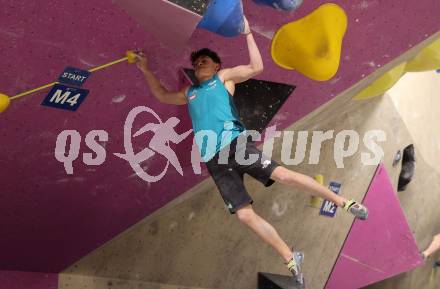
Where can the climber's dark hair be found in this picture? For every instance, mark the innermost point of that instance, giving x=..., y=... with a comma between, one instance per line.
x=205, y=52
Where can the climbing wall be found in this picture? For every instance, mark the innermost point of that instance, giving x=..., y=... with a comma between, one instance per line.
x=154, y=16
x=50, y=219
x=28, y=280
x=380, y=248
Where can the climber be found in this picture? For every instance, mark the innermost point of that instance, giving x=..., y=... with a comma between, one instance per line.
x=211, y=109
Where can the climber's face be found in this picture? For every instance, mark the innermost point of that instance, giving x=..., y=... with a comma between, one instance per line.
x=205, y=68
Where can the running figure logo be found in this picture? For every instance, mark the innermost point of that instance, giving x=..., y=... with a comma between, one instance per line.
x=164, y=133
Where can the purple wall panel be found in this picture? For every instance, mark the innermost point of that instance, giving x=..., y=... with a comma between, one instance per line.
x=379, y=248
x=49, y=219
x=155, y=15
x=27, y=280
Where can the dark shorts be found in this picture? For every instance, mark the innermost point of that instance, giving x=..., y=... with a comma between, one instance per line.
x=228, y=175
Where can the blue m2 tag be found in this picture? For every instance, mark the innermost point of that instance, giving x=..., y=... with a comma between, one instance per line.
x=65, y=97
x=329, y=208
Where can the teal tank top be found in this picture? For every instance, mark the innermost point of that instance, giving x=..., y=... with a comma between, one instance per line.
x=214, y=116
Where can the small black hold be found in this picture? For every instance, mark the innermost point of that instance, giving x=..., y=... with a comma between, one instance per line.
x=408, y=167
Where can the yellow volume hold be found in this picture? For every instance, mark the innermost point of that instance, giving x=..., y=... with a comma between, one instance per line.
x=312, y=45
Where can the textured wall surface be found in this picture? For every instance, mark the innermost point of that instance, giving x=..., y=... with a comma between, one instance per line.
x=380, y=248
x=28, y=280
x=154, y=16
x=191, y=242
x=50, y=219
x=427, y=100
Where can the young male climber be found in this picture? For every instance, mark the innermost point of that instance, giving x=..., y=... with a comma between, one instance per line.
x=211, y=108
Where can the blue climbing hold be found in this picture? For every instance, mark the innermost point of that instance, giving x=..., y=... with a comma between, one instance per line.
x=224, y=17
x=285, y=5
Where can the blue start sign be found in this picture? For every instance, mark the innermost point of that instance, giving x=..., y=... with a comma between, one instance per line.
x=65, y=97
x=74, y=76
x=329, y=208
